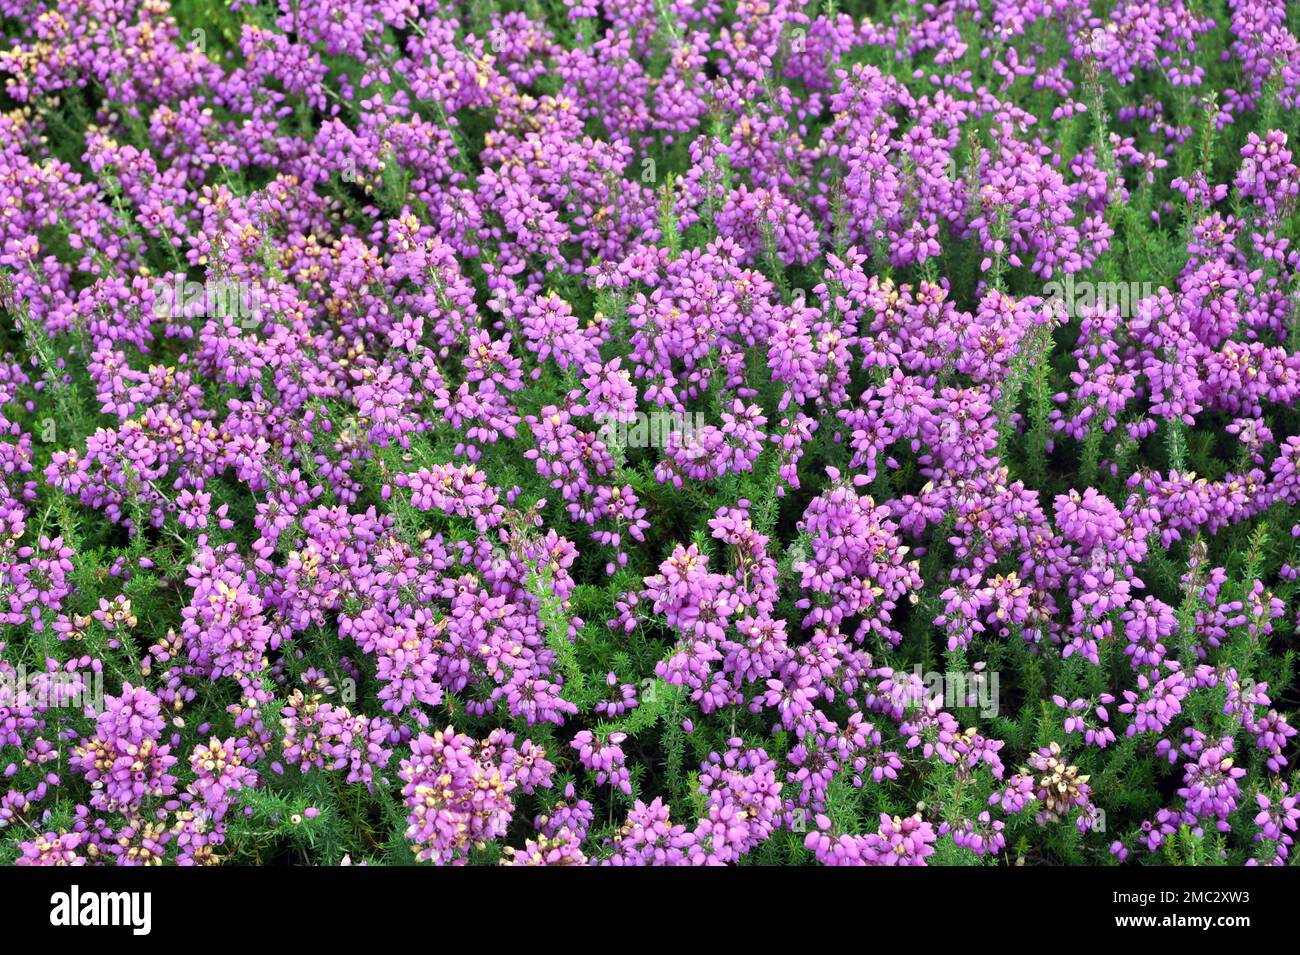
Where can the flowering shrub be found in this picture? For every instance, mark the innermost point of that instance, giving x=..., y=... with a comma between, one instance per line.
x=648, y=433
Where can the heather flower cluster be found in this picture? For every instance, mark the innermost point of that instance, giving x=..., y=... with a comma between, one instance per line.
x=628, y=434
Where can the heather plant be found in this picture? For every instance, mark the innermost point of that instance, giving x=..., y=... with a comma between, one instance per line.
x=673, y=433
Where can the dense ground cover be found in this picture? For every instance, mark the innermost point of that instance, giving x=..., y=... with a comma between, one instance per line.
x=648, y=432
